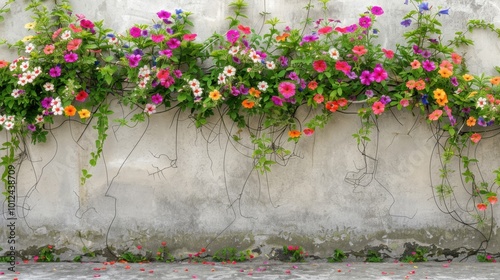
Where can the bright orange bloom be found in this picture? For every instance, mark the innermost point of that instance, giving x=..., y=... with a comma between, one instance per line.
x=248, y=104
x=445, y=72
x=442, y=101
x=294, y=133
x=471, y=121
x=420, y=84
x=476, y=137
x=439, y=94
x=493, y=199
x=3, y=63
x=254, y=92
x=468, y=77
x=495, y=80
x=214, y=95
x=69, y=110
x=282, y=37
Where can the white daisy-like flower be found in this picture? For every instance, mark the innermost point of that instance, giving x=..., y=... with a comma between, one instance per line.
x=25, y=65
x=22, y=81
x=255, y=56
x=29, y=48
x=234, y=50
x=11, y=118
x=29, y=76
x=197, y=92
x=48, y=86
x=37, y=71
x=270, y=65
x=262, y=86
x=16, y=93
x=194, y=83
x=13, y=66
x=55, y=102
x=221, y=79
x=481, y=102
x=57, y=110
x=39, y=119
x=229, y=71
x=66, y=35
x=3, y=118
x=334, y=53
x=8, y=125
x=150, y=109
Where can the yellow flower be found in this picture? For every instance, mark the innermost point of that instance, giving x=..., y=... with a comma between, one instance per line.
x=84, y=113
x=30, y=25
x=472, y=94
x=445, y=72
x=215, y=95
x=27, y=38
x=439, y=94
x=468, y=77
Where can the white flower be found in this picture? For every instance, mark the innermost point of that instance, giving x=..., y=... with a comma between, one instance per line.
x=29, y=76
x=197, y=92
x=37, y=71
x=8, y=125
x=39, y=119
x=22, y=81
x=229, y=71
x=334, y=53
x=221, y=79
x=57, y=110
x=144, y=72
x=25, y=65
x=150, y=109
x=254, y=56
x=113, y=41
x=16, y=93
x=11, y=118
x=2, y=119
x=55, y=102
x=48, y=86
x=142, y=84
x=66, y=35
x=481, y=101
x=262, y=86
x=234, y=50
x=270, y=65
x=29, y=48
x=194, y=83
x=13, y=66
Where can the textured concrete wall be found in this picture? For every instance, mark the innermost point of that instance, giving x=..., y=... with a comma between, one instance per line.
x=207, y=192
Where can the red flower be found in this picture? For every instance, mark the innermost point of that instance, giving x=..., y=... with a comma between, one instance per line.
x=203, y=250
x=81, y=96
x=312, y=85
x=308, y=131
x=481, y=207
x=244, y=29
x=493, y=199
x=164, y=244
x=325, y=30
x=332, y=106
x=139, y=247
x=319, y=65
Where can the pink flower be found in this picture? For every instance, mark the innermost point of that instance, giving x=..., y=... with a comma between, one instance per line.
x=325, y=30
x=378, y=108
x=87, y=24
x=404, y=102
x=157, y=98
x=481, y=207
x=428, y=65
x=342, y=66
x=135, y=32
x=157, y=38
x=379, y=74
x=189, y=37
x=388, y=53
x=319, y=65
x=359, y=50
x=318, y=98
x=476, y=137
x=434, y=116
x=174, y=43
x=287, y=89
x=71, y=57
x=49, y=49
x=308, y=131
x=376, y=10
x=232, y=35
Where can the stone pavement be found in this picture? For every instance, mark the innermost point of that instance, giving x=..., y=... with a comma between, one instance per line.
x=253, y=270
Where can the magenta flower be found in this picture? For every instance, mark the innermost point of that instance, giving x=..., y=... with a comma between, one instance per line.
x=135, y=32
x=379, y=74
x=87, y=24
x=133, y=60
x=428, y=65
x=157, y=38
x=173, y=43
x=70, y=57
x=178, y=73
x=55, y=71
x=277, y=100
x=232, y=36
x=376, y=10
x=163, y=14
x=287, y=89
x=365, y=22
x=46, y=102
x=157, y=99
x=167, y=53
x=31, y=127
x=309, y=38
x=366, y=78
x=319, y=65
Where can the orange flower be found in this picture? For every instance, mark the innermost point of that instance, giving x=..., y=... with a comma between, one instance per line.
x=434, y=116
x=254, y=92
x=332, y=106
x=476, y=137
x=471, y=121
x=294, y=133
x=468, y=77
x=493, y=199
x=420, y=84
x=214, y=95
x=439, y=94
x=415, y=64
x=410, y=84
x=442, y=101
x=282, y=37
x=481, y=207
x=69, y=110
x=248, y=104
x=445, y=72
x=495, y=80
x=3, y=63
x=312, y=85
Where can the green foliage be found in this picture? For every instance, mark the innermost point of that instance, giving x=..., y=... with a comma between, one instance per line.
x=485, y=258
x=86, y=253
x=231, y=254
x=46, y=254
x=373, y=256
x=294, y=253
x=337, y=256
x=132, y=257
x=419, y=255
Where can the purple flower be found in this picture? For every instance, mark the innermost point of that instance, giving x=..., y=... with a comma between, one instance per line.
x=277, y=100
x=365, y=22
x=144, y=33
x=293, y=76
x=236, y=60
x=157, y=99
x=55, y=71
x=235, y=91
x=232, y=36
x=46, y=102
x=133, y=60
x=369, y=93
x=406, y=2
x=428, y=65
x=454, y=81
x=444, y=12
x=309, y=38
x=283, y=61
x=406, y=22
x=167, y=53
x=173, y=43
x=31, y=127
x=243, y=90
x=481, y=122
x=366, y=78
x=163, y=14
x=352, y=75
x=416, y=49
x=178, y=73
x=376, y=10
x=135, y=32
x=466, y=110
x=70, y=57
x=351, y=28
x=290, y=100
x=425, y=101
x=434, y=41
x=385, y=99
x=245, y=43
x=424, y=6
x=138, y=51
x=426, y=54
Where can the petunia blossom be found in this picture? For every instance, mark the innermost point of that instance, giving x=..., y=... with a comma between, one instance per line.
x=287, y=89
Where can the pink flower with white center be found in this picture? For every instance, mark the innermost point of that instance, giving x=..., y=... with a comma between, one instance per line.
x=55, y=102
x=234, y=50
x=221, y=79
x=229, y=71
x=8, y=125
x=262, y=86
x=270, y=65
x=39, y=119
x=194, y=83
x=29, y=48
x=25, y=65
x=150, y=109
x=48, y=86
x=2, y=119
x=66, y=35
x=57, y=110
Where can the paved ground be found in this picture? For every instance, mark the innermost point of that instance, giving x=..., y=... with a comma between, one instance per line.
x=254, y=270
